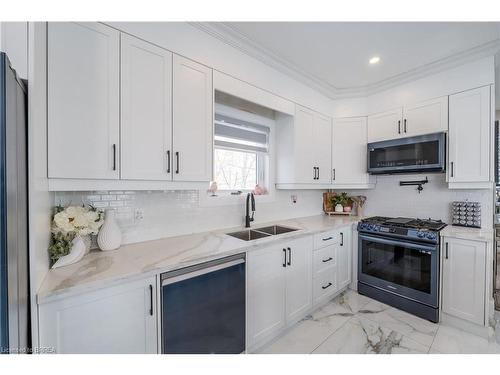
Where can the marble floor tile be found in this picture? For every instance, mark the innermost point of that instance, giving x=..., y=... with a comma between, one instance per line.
x=361, y=335
x=451, y=340
x=411, y=326
x=301, y=339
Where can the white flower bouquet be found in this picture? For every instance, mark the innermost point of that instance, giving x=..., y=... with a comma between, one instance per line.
x=70, y=222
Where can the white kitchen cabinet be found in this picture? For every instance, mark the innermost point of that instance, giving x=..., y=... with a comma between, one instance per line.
x=298, y=279
x=146, y=110
x=304, y=149
x=463, y=279
x=385, y=125
x=192, y=121
x=118, y=319
x=349, y=152
x=279, y=288
x=83, y=92
x=266, y=293
x=426, y=117
x=469, y=137
x=322, y=148
x=344, y=259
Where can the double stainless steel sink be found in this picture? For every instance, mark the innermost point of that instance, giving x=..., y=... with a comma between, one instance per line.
x=255, y=234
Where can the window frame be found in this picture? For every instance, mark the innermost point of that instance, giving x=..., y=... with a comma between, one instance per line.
x=224, y=197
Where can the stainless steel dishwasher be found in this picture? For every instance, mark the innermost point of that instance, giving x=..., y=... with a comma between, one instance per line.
x=203, y=308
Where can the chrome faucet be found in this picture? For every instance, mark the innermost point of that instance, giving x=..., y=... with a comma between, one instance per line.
x=249, y=219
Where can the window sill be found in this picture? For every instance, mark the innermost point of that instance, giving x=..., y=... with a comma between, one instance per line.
x=223, y=199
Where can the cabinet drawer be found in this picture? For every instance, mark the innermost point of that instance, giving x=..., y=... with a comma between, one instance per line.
x=326, y=238
x=325, y=283
x=324, y=258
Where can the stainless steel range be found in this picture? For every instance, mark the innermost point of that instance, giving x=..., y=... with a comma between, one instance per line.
x=398, y=263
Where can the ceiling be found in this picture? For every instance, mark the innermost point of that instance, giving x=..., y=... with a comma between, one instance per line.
x=334, y=55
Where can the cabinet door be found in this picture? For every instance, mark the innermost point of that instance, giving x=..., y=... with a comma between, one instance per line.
x=426, y=117
x=119, y=319
x=463, y=278
x=344, y=259
x=83, y=62
x=304, y=145
x=146, y=110
x=349, y=151
x=266, y=293
x=469, y=136
x=386, y=125
x=298, y=279
x=322, y=147
x=192, y=120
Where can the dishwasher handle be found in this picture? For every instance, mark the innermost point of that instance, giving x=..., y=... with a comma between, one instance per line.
x=200, y=269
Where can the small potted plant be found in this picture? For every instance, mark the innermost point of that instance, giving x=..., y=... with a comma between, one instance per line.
x=339, y=201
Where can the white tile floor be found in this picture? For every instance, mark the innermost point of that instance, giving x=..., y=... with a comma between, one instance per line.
x=356, y=324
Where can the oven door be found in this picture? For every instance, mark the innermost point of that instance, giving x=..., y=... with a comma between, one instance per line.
x=412, y=154
x=405, y=268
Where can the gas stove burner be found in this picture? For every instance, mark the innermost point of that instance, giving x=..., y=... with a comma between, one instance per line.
x=403, y=227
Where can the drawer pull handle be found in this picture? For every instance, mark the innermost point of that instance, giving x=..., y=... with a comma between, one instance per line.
x=326, y=286
x=327, y=260
x=327, y=238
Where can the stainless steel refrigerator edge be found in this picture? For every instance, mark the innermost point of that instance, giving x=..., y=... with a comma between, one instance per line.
x=14, y=282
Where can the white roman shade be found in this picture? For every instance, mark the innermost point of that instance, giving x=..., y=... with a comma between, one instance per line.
x=239, y=134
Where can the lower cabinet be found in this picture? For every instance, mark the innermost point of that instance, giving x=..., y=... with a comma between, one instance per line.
x=119, y=319
x=278, y=288
x=464, y=279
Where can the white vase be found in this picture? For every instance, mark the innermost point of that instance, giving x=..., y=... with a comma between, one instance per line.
x=77, y=252
x=339, y=208
x=110, y=235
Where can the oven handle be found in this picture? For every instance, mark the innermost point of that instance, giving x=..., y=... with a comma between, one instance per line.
x=398, y=243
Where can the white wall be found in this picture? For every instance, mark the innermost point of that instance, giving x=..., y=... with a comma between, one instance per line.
x=173, y=213
x=390, y=199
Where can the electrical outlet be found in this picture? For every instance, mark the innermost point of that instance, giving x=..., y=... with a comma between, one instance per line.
x=293, y=198
x=139, y=215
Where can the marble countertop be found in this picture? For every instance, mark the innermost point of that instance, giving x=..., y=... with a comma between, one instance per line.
x=100, y=269
x=476, y=234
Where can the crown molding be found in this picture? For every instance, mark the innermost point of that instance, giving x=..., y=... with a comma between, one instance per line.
x=229, y=35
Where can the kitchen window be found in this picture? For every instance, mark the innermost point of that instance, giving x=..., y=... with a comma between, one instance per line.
x=241, y=152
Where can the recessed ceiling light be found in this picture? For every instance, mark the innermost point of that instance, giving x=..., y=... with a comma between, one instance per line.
x=374, y=60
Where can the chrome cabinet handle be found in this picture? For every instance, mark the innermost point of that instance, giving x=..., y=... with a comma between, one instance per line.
x=399, y=126
x=405, y=126
x=327, y=238
x=341, y=239
x=327, y=260
x=446, y=251
x=452, y=172
x=289, y=256
x=333, y=174
x=168, y=161
x=326, y=286
x=284, y=259
x=151, y=299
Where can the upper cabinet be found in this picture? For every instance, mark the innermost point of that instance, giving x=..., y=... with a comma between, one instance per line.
x=469, y=139
x=192, y=120
x=304, y=148
x=430, y=116
x=83, y=89
x=146, y=110
x=349, y=152
x=124, y=111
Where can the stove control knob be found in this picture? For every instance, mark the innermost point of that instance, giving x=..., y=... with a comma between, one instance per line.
x=376, y=228
x=431, y=235
x=420, y=234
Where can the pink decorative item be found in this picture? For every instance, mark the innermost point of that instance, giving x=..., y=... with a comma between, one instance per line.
x=259, y=190
x=347, y=209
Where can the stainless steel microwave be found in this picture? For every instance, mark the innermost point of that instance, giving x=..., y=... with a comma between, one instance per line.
x=424, y=153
